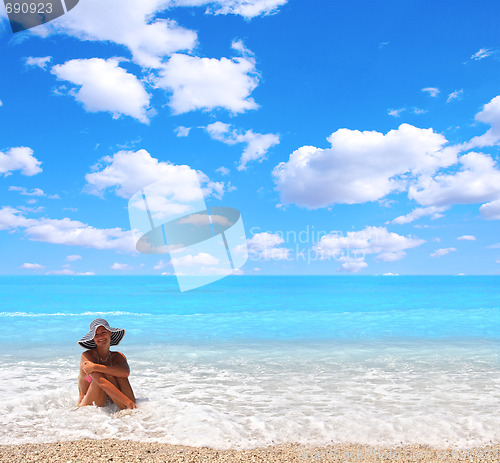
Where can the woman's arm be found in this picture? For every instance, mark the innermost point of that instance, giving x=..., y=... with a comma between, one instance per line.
x=83, y=384
x=112, y=391
x=120, y=369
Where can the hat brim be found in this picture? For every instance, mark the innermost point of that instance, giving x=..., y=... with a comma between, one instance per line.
x=87, y=342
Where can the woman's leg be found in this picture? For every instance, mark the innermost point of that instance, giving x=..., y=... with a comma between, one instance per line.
x=126, y=388
x=94, y=395
x=116, y=382
x=108, y=388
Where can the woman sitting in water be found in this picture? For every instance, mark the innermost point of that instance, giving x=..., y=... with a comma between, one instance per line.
x=104, y=374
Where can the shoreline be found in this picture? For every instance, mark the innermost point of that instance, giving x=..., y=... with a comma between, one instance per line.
x=121, y=451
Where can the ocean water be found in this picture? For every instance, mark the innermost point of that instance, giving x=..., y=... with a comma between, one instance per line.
x=253, y=361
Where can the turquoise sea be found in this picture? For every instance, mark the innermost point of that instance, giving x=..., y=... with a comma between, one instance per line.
x=251, y=361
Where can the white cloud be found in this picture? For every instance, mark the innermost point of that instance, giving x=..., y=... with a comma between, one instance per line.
x=182, y=131
x=467, y=238
x=40, y=61
x=442, y=252
x=489, y=114
x=68, y=271
x=105, y=86
x=239, y=46
x=66, y=231
x=134, y=25
x=477, y=181
x=396, y=112
x=25, y=192
x=267, y=246
x=20, y=158
x=1, y=103
x=126, y=172
x=454, y=95
x=491, y=211
x=257, y=144
x=360, y=166
x=481, y=54
x=419, y=111
x=118, y=266
x=161, y=265
x=433, y=211
x=352, y=248
x=352, y=265
x=209, y=83
x=201, y=258
x=32, y=266
x=432, y=91
x=247, y=8
x=73, y=257
x=223, y=170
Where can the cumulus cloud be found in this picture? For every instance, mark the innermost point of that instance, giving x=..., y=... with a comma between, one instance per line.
x=127, y=172
x=73, y=257
x=489, y=114
x=477, y=181
x=442, y=252
x=352, y=248
x=432, y=91
x=134, y=25
x=467, y=238
x=491, y=211
x=267, y=246
x=66, y=231
x=137, y=25
x=209, y=83
x=105, y=86
x=32, y=266
x=360, y=166
x=20, y=158
x=40, y=61
x=433, y=211
x=257, y=144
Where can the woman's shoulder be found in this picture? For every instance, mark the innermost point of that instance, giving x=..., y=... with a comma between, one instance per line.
x=88, y=354
x=117, y=355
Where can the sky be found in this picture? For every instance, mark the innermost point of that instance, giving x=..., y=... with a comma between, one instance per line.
x=354, y=137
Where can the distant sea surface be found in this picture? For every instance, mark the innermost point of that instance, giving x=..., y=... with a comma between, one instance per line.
x=252, y=361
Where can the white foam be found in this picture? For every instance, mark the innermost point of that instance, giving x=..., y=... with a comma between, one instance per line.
x=243, y=396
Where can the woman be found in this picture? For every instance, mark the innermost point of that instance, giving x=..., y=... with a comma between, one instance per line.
x=104, y=374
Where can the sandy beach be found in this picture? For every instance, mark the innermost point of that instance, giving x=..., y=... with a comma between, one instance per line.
x=113, y=450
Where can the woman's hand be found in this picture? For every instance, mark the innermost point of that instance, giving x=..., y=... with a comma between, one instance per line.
x=88, y=367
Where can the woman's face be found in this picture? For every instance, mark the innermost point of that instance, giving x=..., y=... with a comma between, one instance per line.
x=102, y=336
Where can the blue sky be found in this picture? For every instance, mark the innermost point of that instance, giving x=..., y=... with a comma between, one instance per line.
x=353, y=137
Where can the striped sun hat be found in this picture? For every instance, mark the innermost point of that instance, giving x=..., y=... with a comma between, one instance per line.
x=88, y=340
